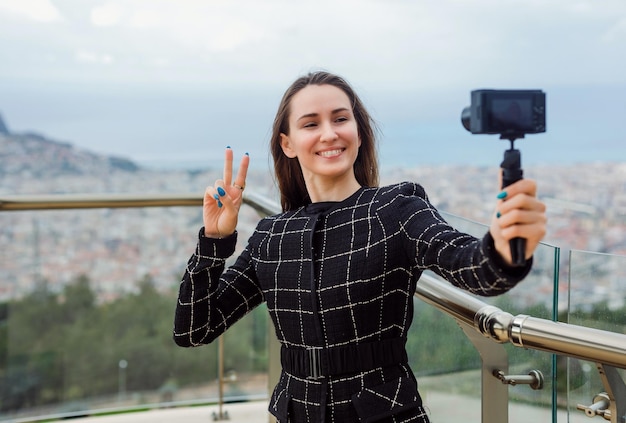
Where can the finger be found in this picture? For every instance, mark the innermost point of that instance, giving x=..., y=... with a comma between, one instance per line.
x=209, y=195
x=219, y=193
x=523, y=186
x=218, y=187
x=242, y=173
x=532, y=232
x=521, y=202
x=228, y=166
x=521, y=216
x=515, y=202
x=225, y=202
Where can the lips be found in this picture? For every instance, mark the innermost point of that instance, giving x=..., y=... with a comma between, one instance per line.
x=330, y=153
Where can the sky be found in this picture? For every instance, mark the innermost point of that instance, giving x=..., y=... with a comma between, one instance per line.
x=172, y=82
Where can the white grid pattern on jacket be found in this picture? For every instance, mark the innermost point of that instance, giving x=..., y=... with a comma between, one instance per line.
x=335, y=274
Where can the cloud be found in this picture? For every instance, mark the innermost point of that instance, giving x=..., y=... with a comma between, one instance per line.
x=427, y=44
x=90, y=57
x=108, y=14
x=147, y=18
x=35, y=10
x=616, y=34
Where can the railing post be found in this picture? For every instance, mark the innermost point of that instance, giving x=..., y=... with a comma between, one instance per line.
x=616, y=390
x=494, y=394
x=221, y=414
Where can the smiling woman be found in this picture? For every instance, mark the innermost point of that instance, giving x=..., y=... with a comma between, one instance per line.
x=339, y=266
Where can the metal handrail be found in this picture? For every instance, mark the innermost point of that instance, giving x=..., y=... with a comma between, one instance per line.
x=606, y=349
x=522, y=330
x=93, y=201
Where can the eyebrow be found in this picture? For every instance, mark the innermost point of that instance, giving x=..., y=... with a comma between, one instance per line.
x=309, y=115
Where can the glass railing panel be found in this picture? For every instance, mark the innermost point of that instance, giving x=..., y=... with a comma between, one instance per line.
x=597, y=299
x=447, y=365
x=87, y=301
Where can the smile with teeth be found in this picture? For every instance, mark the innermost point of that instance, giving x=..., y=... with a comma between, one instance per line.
x=330, y=153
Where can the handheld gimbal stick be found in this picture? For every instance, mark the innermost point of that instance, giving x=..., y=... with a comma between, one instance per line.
x=512, y=172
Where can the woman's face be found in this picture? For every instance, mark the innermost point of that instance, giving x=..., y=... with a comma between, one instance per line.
x=323, y=133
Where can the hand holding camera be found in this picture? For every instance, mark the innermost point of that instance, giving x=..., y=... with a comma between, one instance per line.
x=520, y=217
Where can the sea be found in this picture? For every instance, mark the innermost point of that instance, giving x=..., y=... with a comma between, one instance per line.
x=167, y=127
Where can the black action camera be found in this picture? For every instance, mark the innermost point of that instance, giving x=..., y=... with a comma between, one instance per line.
x=512, y=114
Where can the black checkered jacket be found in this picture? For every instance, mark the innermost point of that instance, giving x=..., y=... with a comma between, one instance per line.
x=336, y=274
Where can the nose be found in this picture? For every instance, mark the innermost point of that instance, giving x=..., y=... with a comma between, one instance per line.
x=328, y=133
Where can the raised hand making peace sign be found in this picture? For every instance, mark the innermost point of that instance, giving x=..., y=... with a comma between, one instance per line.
x=222, y=201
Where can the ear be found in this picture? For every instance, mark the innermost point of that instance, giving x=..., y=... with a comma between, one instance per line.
x=285, y=144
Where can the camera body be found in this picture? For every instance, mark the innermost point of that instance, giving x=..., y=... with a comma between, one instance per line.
x=511, y=113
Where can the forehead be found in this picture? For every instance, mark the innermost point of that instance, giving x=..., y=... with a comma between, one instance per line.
x=319, y=98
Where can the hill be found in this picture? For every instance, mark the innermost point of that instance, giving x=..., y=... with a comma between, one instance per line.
x=34, y=155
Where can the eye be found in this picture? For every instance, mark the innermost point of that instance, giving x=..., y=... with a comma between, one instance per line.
x=309, y=125
x=341, y=119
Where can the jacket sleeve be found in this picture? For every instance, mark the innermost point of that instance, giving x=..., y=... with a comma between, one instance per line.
x=467, y=262
x=212, y=299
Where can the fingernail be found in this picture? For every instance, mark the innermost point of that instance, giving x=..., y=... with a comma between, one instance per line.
x=247, y=153
x=217, y=197
x=502, y=195
x=228, y=146
x=219, y=203
x=498, y=214
x=221, y=191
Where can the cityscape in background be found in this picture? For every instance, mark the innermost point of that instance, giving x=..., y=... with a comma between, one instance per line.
x=117, y=247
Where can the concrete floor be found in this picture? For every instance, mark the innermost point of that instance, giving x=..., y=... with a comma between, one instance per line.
x=250, y=412
x=443, y=408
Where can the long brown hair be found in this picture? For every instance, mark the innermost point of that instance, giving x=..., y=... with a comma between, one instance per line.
x=293, y=193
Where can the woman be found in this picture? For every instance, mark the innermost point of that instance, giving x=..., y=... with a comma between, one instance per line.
x=338, y=267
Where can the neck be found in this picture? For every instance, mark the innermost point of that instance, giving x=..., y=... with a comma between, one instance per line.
x=331, y=189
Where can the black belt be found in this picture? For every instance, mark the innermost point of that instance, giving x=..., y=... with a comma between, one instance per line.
x=317, y=363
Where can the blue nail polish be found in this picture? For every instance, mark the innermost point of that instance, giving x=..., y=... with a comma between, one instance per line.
x=498, y=214
x=228, y=146
x=219, y=203
x=221, y=191
x=217, y=197
x=502, y=195
x=247, y=153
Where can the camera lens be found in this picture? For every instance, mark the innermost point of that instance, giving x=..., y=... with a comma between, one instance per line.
x=466, y=115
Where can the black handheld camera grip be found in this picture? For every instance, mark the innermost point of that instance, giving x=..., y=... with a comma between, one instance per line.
x=512, y=172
